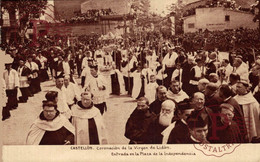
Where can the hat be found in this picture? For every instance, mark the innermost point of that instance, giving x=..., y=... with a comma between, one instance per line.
x=8, y=59
x=170, y=46
x=198, y=60
x=29, y=56
x=61, y=75
x=227, y=106
x=195, y=121
x=184, y=105
x=51, y=95
x=212, y=86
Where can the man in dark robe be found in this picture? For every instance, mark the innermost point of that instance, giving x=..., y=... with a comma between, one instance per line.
x=161, y=93
x=187, y=66
x=138, y=123
x=117, y=58
x=225, y=93
x=114, y=81
x=51, y=128
x=228, y=130
x=198, y=103
x=59, y=66
x=181, y=131
x=164, y=120
x=11, y=79
x=88, y=122
x=23, y=73
x=212, y=100
x=198, y=130
x=37, y=81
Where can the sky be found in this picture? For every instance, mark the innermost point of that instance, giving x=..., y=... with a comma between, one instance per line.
x=158, y=6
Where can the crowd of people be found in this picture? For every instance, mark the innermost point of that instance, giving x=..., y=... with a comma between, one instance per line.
x=184, y=93
x=89, y=16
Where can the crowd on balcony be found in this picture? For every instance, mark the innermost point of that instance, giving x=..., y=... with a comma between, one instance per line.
x=89, y=16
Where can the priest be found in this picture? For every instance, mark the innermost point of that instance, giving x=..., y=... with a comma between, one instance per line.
x=88, y=121
x=51, y=128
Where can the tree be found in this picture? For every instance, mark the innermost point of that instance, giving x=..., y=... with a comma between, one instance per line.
x=27, y=10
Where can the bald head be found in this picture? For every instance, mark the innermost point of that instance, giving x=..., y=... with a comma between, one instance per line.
x=168, y=106
x=198, y=100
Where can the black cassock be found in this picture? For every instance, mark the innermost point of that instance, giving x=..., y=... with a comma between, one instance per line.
x=230, y=134
x=115, y=84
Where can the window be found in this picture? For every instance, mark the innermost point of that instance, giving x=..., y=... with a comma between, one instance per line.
x=191, y=25
x=227, y=18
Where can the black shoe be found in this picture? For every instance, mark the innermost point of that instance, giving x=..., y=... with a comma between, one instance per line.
x=13, y=108
x=21, y=101
x=4, y=118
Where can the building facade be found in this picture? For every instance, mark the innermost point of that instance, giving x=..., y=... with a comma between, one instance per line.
x=218, y=18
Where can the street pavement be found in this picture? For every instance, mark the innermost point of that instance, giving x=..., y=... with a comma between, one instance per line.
x=15, y=129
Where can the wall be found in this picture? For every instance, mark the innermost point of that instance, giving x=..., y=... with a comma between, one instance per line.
x=214, y=19
x=189, y=20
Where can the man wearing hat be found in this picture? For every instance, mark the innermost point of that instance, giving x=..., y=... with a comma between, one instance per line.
x=62, y=102
x=198, y=130
x=85, y=74
x=59, y=65
x=226, y=129
x=187, y=66
x=225, y=94
x=43, y=75
x=11, y=79
x=51, y=128
x=88, y=121
x=34, y=74
x=24, y=73
x=96, y=84
x=66, y=66
x=168, y=63
x=250, y=108
x=212, y=100
x=180, y=132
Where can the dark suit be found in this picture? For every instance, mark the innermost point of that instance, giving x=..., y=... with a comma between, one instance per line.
x=179, y=133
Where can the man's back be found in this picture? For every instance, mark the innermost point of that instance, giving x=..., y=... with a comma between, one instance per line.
x=137, y=126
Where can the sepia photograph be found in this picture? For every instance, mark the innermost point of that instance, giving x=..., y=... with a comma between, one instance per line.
x=131, y=78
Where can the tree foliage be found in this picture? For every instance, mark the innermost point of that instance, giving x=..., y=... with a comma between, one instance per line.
x=27, y=10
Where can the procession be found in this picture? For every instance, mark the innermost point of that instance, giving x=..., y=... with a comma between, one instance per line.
x=149, y=88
